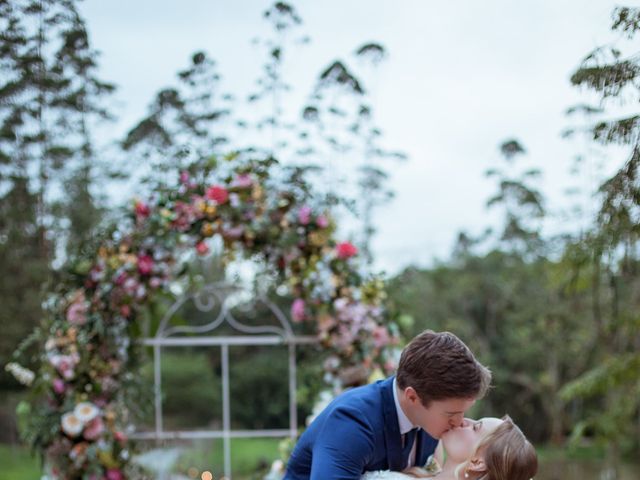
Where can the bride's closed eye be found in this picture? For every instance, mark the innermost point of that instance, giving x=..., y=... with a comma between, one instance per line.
x=477, y=426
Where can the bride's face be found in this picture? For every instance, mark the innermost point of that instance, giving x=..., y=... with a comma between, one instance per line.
x=460, y=443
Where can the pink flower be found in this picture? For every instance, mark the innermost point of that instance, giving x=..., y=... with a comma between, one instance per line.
x=234, y=232
x=119, y=436
x=184, y=177
x=322, y=221
x=114, y=474
x=94, y=429
x=142, y=210
x=217, y=194
x=77, y=312
x=184, y=215
x=65, y=364
x=390, y=366
x=155, y=282
x=145, y=264
x=242, y=181
x=346, y=250
x=202, y=248
x=125, y=311
x=304, y=215
x=121, y=278
x=97, y=273
x=381, y=336
x=131, y=285
x=58, y=386
x=297, y=310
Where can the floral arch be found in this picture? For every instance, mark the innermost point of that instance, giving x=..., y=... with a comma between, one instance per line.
x=78, y=416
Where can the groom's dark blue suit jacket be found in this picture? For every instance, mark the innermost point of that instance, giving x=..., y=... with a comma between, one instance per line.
x=357, y=432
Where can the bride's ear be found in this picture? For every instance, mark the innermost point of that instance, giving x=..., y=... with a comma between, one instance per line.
x=476, y=465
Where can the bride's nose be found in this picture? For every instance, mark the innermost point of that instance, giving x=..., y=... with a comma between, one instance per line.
x=457, y=422
x=467, y=422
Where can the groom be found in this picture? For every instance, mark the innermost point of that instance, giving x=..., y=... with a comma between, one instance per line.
x=394, y=423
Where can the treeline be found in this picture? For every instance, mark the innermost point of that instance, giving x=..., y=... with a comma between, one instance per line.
x=557, y=318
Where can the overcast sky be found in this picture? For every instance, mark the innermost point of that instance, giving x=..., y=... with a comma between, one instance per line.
x=460, y=78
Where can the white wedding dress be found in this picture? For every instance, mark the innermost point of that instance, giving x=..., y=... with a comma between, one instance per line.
x=385, y=475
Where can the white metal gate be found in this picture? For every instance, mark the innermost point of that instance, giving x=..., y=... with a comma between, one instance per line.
x=225, y=297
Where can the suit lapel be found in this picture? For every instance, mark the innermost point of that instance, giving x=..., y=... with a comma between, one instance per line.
x=392, y=429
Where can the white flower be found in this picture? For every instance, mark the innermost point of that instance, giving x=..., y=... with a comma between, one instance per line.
x=71, y=425
x=50, y=344
x=23, y=375
x=86, y=411
x=325, y=398
x=276, y=472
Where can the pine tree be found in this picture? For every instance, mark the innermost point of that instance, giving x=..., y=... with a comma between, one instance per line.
x=613, y=243
x=184, y=125
x=22, y=270
x=343, y=137
x=49, y=97
x=522, y=202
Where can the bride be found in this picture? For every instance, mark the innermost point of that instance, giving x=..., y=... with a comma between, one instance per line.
x=486, y=449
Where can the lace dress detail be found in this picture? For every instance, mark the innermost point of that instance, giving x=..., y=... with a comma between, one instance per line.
x=430, y=469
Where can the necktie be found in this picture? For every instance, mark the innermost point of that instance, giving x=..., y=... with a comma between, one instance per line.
x=409, y=438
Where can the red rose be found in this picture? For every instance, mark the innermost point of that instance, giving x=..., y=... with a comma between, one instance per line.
x=145, y=264
x=346, y=250
x=142, y=210
x=202, y=248
x=217, y=194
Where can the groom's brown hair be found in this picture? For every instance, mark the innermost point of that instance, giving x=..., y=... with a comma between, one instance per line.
x=439, y=366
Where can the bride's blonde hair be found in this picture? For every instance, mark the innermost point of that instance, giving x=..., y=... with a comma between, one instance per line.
x=508, y=455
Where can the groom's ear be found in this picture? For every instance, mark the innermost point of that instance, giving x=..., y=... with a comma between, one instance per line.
x=411, y=395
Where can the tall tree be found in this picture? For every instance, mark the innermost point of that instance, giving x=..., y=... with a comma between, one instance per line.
x=522, y=202
x=613, y=72
x=22, y=270
x=49, y=99
x=184, y=123
x=342, y=135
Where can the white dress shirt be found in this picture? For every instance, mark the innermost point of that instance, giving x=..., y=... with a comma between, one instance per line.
x=405, y=424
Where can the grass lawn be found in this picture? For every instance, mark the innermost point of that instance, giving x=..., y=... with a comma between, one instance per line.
x=17, y=463
x=248, y=456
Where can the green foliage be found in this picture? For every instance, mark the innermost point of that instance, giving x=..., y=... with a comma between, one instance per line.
x=260, y=388
x=192, y=388
x=626, y=19
x=23, y=271
x=192, y=396
x=606, y=376
x=620, y=131
x=49, y=96
x=609, y=385
x=518, y=196
x=609, y=79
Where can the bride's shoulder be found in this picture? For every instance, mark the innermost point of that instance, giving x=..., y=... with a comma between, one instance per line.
x=385, y=475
